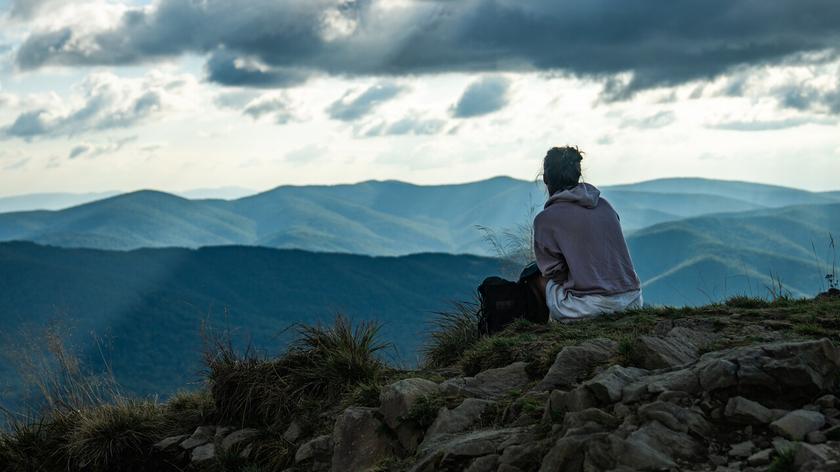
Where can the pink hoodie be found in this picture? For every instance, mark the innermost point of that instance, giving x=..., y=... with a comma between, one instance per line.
x=579, y=244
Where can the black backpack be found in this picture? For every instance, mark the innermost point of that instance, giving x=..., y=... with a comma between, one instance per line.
x=503, y=301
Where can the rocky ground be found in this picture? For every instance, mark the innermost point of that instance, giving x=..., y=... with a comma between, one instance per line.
x=745, y=386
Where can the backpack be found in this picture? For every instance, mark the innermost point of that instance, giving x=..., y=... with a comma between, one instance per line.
x=503, y=301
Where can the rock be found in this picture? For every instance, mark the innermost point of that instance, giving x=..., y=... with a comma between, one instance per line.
x=827, y=401
x=574, y=363
x=221, y=432
x=638, y=455
x=319, y=447
x=508, y=468
x=459, y=418
x=832, y=433
x=293, y=433
x=359, y=441
x=742, y=410
x=397, y=399
x=524, y=456
x=716, y=373
x=589, y=421
x=815, y=437
x=238, y=437
x=203, y=453
x=679, y=347
x=742, y=449
x=810, y=456
x=609, y=384
x=782, y=445
x=484, y=464
x=680, y=380
x=560, y=402
x=567, y=454
x=676, y=418
x=673, y=444
x=169, y=442
x=490, y=384
x=473, y=444
x=796, y=424
x=201, y=435
x=761, y=457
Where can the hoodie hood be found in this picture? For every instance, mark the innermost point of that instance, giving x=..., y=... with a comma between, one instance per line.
x=583, y=194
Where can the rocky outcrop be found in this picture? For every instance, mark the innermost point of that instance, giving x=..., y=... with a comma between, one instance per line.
x=733, y=409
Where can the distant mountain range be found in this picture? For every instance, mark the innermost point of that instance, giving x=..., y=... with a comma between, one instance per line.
x=60, y=201
x=148, y=305
x=377, y=218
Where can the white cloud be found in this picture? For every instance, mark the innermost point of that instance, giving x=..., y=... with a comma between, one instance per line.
x=102, y=101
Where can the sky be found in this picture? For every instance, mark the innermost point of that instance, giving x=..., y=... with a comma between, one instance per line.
x=174, y=95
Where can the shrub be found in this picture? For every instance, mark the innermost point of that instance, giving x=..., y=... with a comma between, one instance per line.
x=186, y=411
x=119, y=436
x=318, y=368
x=452, y=333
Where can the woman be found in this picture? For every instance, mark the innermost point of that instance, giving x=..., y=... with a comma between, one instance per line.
x=579, y=246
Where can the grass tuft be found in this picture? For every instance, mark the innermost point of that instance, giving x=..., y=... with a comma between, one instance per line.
x=116, y=437
x=452, y=333
x=743, y=301
x=321, y=366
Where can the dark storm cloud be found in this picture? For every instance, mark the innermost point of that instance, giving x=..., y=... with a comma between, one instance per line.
x=353, y=109
x=805, y=97
x=483, y=96
x=658, y=42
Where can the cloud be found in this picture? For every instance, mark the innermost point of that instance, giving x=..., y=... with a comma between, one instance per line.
x=769, y=125
x=27, y=9
x=809, y=97
x=409, y=125
x=106, y=102
x=484, y=96
x=95, y=150
x=281, y=42
x=657, y=120
x=276, y=105
x=351, y=109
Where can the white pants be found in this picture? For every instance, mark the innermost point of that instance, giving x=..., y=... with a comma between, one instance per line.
x=563, y=306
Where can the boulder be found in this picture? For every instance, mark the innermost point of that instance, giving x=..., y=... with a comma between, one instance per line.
x=169, y=442
x=458, y=419
x=609, y=384
x=673, y=444
x=742, y=449
x=676, y=418
x=798, y=423
x=293, y=433
x=397, y=399
x=486, y=463
x=744, y=411
x=490, y=384
x=574, y=363
x=560, y=402
x=460, y=448
x=317, y=448
x=636, y=454
x=204, y=453
x=359, y=440
x=810, y=456
x=762, y=457
x=678, y=347
x=591, y=420
x=202, y=435
x=237, y=437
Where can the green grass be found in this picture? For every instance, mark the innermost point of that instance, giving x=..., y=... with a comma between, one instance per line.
x=425, y=410
x=784, y=462
x=452, y=333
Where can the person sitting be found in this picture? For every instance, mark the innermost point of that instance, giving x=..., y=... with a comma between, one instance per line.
x=581, y=254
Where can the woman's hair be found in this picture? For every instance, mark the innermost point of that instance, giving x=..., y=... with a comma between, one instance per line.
x=561, y=168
